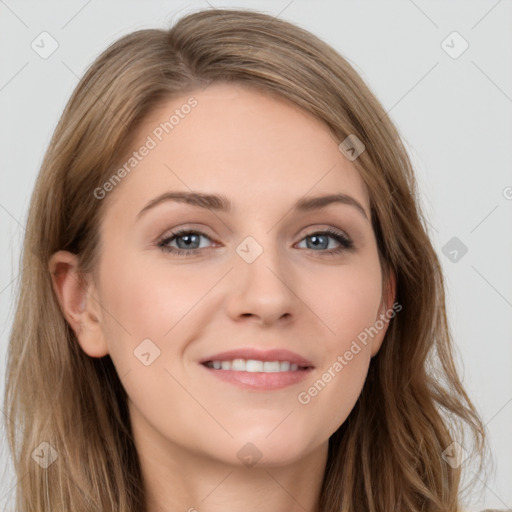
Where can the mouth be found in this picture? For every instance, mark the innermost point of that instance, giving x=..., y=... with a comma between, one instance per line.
x=259, y=370
x=254, y=366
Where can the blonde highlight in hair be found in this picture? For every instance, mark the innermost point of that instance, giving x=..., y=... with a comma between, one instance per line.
x=387, y=455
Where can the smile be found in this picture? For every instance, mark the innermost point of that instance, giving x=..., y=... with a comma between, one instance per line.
x=254, y=366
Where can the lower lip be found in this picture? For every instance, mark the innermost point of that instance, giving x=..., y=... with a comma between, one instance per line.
x=260, y=380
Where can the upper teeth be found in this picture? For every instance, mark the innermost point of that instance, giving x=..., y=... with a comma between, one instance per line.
x=253, y=365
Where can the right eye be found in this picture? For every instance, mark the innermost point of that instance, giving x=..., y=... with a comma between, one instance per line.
x=186, y=238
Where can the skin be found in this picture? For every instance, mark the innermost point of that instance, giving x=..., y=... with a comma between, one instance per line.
x=262, y=153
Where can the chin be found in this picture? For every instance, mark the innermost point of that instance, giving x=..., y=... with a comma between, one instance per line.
x=274, y=450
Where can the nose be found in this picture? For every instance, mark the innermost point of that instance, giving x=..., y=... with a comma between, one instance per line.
x=263, y=291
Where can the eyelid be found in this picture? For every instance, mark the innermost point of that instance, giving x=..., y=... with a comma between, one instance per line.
x=186, y=228
x=176, y=233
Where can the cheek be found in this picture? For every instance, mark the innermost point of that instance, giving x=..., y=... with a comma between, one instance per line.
x=348, y=309
x=138, y=305
x=328, y=399
x=346, y=300
x=149, y=300
x=146, y=302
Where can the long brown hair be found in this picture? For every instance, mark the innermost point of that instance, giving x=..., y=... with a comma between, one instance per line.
x=388, y=454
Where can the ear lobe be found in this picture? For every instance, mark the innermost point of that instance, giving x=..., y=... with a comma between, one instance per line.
x=78, y=305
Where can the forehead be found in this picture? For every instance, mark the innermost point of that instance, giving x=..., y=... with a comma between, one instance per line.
x=241, y=142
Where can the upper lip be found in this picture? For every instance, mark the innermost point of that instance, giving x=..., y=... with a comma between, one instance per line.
x=277, y=354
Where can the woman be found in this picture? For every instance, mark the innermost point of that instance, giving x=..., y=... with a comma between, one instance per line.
x=298, y=357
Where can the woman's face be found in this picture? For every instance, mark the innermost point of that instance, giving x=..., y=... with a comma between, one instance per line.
x=260, y=279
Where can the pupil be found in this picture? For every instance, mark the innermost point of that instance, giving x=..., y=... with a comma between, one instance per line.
x=316, y=237
x=187, y=238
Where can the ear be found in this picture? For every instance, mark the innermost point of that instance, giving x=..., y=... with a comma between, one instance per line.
x=386, y=310
x=76, y=296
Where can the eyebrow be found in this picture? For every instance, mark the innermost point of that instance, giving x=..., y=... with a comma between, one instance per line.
x=223, y=204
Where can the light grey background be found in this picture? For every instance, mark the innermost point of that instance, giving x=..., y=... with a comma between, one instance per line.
x=453, y=113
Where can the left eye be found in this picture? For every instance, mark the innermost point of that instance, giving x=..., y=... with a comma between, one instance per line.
x=188, y=242
x=320, y=238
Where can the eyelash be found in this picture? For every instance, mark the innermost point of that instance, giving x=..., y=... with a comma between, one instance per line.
x=344, y=241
